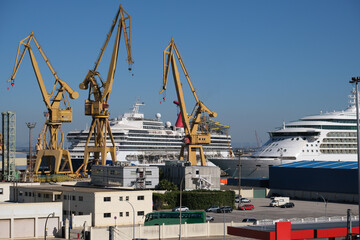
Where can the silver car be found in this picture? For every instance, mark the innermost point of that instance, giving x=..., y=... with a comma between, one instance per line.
x=183, y=209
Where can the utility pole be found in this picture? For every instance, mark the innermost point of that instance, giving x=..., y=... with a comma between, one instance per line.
x=239, y=169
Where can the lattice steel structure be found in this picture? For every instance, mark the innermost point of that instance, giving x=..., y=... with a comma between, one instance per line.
x=9, y=147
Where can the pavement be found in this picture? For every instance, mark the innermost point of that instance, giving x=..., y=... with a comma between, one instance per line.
x=302, y=209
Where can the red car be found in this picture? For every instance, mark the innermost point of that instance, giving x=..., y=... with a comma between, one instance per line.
x=247, y=207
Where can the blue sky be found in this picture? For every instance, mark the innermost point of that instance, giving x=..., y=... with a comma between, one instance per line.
x=255, y=63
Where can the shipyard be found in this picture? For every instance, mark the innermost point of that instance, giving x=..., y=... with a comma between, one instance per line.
x=179, y=120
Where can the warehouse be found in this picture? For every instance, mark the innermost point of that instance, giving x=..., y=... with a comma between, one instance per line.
x=333, y=180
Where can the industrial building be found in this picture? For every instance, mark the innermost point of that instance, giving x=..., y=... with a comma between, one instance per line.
x=192, y=177
x=106, y=205
x=139, y=177
x=333, y=180
x=27, y=220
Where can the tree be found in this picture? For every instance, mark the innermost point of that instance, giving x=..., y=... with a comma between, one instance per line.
x=167, y=185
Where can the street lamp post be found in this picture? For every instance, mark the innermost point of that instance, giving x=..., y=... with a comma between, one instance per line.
x=181, y=183
x=224, y=222
x=53, y=215
x=324, y=201
x=356, y=80
x=133, y=218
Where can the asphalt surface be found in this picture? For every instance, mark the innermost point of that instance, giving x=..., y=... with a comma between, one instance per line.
x=302, y=209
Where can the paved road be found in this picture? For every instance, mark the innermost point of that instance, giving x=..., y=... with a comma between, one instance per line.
x=302, y=209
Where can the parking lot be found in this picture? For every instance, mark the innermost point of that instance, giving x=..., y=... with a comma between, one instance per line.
x=302, y=209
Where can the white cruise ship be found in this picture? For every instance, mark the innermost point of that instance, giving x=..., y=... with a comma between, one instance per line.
x=328, y=136
x=142, y=141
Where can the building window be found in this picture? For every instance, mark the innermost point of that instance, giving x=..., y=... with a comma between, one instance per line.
x=121, y=214
x=1, y=191
x=26, y=194
x=58, y=197
x=81, y=198
x=127, y=214
x=148, y=173
x=140, y=213
x=46, y=196
x=20, y=193
x=107, y=215
x=120, y=198
x=147, y=183
x=65, y=197
x=107, y=199
x=140, y=197
x=73, y=198
x=81, y=213
x=39, y=194
x=127, y=198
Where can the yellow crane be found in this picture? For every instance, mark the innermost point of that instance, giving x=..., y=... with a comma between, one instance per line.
x=194, y=139
x=57, y=104
x=99, y=92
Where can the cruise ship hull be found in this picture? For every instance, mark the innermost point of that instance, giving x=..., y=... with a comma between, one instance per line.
x=250, y=167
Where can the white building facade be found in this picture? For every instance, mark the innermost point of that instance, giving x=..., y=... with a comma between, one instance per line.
x=27, y=220
x=106, y=205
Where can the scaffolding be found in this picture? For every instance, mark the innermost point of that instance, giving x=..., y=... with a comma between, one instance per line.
x=9, y=146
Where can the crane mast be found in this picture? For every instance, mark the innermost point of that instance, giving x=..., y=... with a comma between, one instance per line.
x=54, y=147
x=99, y=92
x=193, y=139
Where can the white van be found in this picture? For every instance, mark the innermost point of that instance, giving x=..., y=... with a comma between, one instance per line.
x=278, y=201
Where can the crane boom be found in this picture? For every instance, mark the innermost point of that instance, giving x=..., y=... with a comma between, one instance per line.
x=193, y=139
x=97, y=103
x=55, y=146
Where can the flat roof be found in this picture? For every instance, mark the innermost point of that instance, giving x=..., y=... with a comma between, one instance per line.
x=71, y=188
x=320, y=164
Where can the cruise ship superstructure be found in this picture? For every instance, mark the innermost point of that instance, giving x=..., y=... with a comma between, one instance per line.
x=140, y=140
x=328, y=136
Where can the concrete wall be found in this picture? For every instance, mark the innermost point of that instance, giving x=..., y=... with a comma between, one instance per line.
x=164, y=231
x=81, y=220
x=306, y=195
x=20, y=220
x=195, y=177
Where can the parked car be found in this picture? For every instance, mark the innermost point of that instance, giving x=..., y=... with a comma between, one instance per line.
x=225, y=209
x=242, y=200
x=209, y=218
x=245, y=200
x=246, y=207
x=249, y=220
x=288, y=205
x=213, y=208
x=183, y=209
